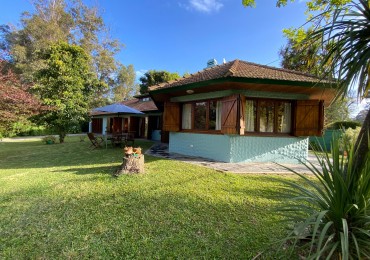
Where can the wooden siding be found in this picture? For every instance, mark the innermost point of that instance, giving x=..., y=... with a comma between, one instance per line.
x=308, y=118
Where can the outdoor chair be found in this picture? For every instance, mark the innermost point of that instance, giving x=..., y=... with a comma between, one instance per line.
x=130, y=138
x=96, y=141
x=118, y=139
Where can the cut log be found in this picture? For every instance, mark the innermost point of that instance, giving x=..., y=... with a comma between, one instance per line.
x=133, y=163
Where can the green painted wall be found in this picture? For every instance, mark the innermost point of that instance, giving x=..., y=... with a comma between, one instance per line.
x=235, y=148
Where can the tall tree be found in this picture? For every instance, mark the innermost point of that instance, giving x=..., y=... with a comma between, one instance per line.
x=65, y=85
x=308, y=57
x=16, y=103
x=62, y=20
x=125, y=86
x=348, y=55
x=154, y=77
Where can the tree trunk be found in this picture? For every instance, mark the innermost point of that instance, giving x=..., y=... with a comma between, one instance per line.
x=362, y=144
x=62, y=135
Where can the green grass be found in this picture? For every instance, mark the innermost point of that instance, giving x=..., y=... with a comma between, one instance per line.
x=61, y=201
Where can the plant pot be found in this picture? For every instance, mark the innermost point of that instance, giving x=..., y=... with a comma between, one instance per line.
x=49, y=142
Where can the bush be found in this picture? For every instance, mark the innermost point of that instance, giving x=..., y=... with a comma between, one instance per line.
x=349, y=136
x=330, y=212
x=345, y=125
x=49, y=139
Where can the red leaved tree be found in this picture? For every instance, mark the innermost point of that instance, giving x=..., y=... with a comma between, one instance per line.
x=16, y=103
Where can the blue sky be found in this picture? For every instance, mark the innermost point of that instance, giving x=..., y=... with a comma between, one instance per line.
x=181, y=35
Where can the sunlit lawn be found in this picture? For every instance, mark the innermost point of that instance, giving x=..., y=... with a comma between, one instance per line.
x=61, y=201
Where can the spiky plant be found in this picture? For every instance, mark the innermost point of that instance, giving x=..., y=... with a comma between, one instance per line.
x=331, y=210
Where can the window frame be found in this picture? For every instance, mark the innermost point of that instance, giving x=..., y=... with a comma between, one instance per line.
x=275, y=127
x=193, y=130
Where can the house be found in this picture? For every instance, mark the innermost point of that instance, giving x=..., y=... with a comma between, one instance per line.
x=146, y=125
x=243, y=112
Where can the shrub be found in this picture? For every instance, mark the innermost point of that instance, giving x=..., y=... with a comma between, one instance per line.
x=49, y=139
x=349, y=136
x=345, y=125
x=331, y=210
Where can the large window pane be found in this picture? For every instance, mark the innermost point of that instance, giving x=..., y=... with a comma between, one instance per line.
x=186, y=116
x=212, y=115
x=200, y=115
x=284, y=114
x=266, y=113
x=218, y=115
x=250, y=115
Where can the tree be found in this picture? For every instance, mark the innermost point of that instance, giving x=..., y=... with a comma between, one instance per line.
x=154, y=77
x=125, y=86
x=62, y=20
x=308, y=57
x=65, y=85
x=348, y=56
x=16, y=103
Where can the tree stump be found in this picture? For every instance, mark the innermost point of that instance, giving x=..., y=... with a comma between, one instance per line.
x=132, y=163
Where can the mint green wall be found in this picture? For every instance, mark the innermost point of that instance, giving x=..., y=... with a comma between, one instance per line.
x=235, y=148
x=216, y=147
x=268, y=149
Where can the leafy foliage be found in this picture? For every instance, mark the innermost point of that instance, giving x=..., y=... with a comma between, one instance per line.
x=66, y=85
x=16, y=103
x=348, y=38
x=348, y=41
x=331, y=211
x=345, y=125
x=312, y=5
x=154, y=77
x=56, y=21
x=125, y=86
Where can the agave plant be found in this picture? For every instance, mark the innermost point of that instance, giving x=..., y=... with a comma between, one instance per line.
x=331, y=210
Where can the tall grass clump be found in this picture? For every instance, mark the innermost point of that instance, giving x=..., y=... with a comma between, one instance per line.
x=330, y=210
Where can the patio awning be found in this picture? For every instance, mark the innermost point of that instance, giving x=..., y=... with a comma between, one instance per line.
x=118, y=108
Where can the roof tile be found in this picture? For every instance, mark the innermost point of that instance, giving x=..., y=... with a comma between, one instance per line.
x=241, y=69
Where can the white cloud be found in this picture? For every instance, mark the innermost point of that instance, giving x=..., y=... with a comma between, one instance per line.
x=204, y=6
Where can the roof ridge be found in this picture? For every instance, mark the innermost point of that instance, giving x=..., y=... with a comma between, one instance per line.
x=233, y=68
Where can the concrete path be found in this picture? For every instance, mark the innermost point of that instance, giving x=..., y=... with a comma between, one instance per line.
x=161, y=150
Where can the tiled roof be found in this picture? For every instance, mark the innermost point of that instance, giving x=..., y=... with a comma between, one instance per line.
x=140, y=105
x=241, y=69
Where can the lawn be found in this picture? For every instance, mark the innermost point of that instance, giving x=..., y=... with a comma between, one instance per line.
x=61, y=201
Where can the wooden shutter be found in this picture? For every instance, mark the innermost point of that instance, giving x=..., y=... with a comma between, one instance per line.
x=171, y=117
x=232, y=115
x=308, y=118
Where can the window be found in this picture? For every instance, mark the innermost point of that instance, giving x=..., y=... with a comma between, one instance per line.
x=145, y=99
x=203, y=116
x=268, y=116
x=200, y=116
